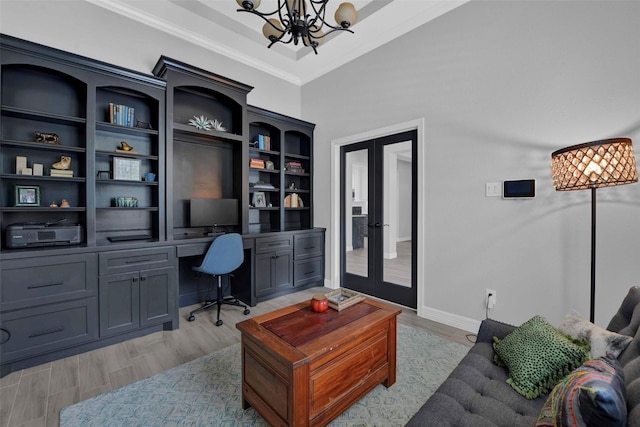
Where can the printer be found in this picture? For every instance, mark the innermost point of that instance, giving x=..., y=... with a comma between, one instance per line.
x=27, y=235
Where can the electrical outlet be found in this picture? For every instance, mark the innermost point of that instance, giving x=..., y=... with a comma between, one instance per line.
x=490, y=298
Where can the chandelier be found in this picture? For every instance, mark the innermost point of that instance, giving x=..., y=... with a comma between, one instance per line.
x=301, y=20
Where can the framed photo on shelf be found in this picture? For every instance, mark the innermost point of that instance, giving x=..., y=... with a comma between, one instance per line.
x=259, y=200
x=27, y=195
x=126, y=169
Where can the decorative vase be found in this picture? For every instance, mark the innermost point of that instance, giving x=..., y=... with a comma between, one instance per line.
x=319, y=303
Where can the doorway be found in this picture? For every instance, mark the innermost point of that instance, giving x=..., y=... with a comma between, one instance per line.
x=378, y=217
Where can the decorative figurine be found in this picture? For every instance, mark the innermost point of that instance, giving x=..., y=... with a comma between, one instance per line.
x=64, y=204
x=48, y=138
x=53, y=204
x=63, y=164
x=124, y=146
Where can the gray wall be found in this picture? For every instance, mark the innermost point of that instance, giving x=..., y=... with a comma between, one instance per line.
x=85, y=29
x=500, y=86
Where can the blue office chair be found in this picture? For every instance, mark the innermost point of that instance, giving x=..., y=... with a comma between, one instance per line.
x=223, y=256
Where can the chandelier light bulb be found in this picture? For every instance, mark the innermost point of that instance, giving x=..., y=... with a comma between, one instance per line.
x=346, y=15
x=248, y=4
x=272, y=29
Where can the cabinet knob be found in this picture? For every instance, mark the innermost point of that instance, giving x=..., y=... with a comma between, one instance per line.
x=143, y=278
x=134, y=279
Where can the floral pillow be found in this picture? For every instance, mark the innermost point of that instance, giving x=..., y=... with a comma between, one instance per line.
x=591, y=396
x=602, y=341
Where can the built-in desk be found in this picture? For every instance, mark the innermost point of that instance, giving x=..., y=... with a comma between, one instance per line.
x=275, y=264
x=195, y=287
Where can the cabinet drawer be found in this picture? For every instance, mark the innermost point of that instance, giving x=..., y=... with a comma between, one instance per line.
x=270, y=244
x=38, y=330
x=36, y=281
x=308, y=271
x=308, y=245
x=135, y=259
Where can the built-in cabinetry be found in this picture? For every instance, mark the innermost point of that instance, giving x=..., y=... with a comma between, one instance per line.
x=68, y=98
x=204, y=162
x=134, y=162
x=284, y=146
x=288, y=261
x=48, y=304
x=56, y=111
x=136, y=289
x=274, y=264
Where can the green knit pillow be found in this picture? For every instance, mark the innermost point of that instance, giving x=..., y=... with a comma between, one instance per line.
x=538, y=356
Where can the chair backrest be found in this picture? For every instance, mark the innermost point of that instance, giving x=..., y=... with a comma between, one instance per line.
x=224, y=255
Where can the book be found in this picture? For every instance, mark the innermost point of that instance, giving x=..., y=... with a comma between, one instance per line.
x=56, y=172
x=256, y=163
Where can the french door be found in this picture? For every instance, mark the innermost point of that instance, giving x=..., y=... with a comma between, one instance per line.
x=378, y=212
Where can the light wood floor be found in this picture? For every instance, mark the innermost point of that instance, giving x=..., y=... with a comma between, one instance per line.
x=396, y=270
x=34, y=397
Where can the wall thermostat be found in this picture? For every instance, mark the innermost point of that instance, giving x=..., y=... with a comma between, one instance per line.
x=521, y=189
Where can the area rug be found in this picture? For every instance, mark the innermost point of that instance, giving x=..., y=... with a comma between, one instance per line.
x=207, y=391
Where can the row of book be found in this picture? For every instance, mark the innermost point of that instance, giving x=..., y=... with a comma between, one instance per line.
x=67, y=173
x=121, y=115
x=295, y=167
x=262, y=142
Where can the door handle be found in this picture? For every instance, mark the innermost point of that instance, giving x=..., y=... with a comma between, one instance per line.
x=377, y=225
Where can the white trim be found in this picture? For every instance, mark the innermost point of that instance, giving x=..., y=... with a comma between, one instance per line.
x=334, y=238
x=460, y=322
x=390, y=255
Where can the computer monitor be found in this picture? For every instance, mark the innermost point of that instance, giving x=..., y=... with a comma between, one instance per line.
x=214, y=213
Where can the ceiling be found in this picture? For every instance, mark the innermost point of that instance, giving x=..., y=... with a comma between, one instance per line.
x=216, y=25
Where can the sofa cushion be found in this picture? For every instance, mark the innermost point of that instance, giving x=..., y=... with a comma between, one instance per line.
x=538, y=356
x=602, y=342
x=592, y=395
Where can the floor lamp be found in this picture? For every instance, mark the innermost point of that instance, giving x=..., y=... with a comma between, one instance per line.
x=591, y=165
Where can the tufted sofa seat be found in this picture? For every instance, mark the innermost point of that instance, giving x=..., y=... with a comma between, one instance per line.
x=476, y=393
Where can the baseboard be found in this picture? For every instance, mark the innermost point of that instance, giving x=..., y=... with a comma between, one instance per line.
x=403, y=239
x=449, y=319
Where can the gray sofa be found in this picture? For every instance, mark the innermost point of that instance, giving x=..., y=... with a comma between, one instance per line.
x=476, y=392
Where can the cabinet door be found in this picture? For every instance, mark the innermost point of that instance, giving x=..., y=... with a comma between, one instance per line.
x=264, y=273
x=157, y=296
x=283, y=270
x=119, y=303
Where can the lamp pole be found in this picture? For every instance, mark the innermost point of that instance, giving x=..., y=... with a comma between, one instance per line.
x=593, y=253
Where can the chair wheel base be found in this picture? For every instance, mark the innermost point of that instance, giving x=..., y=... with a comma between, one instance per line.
x=191, y=318
x=219, y=323
x=246, y=311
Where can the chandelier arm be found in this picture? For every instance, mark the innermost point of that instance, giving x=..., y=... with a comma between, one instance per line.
x=319, y=13
x=311, y=35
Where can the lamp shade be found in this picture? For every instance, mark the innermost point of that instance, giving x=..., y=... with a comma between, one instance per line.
x=594, y=164
x=346, y=15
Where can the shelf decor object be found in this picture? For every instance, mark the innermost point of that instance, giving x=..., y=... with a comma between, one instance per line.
x=27, y=195
x=591, y=165
x=126, y=169
x=301, y=20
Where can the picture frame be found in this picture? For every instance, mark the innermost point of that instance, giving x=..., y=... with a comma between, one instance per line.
x=259, y=200
x=27, y=195
x=268, y=165
x=125, y=169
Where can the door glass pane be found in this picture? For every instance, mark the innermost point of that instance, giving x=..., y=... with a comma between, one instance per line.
x=396, y=213
x=356, y=212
